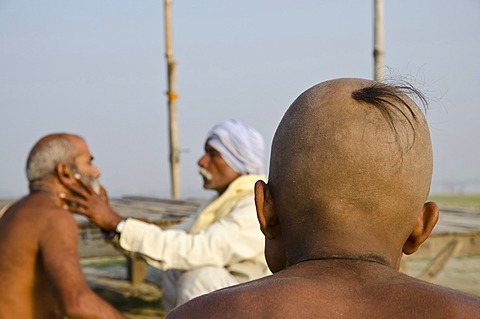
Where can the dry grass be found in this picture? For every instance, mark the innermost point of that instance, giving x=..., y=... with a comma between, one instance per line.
x=468, y=200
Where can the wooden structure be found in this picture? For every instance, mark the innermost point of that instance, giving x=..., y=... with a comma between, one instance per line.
x=460, y=225
x=457, y=233
x=172, y=103
x=378, y=36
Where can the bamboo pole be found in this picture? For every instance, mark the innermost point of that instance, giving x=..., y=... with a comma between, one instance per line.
x=172, y=104
x=378, y=51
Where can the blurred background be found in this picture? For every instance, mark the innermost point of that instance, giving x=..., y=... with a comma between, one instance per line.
x=97, y=68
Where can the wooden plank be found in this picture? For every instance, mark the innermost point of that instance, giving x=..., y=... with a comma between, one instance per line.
x=439, y=262
x=469, y=244
x=136, y=270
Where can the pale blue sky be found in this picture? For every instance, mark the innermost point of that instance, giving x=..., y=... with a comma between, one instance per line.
x=97, y=68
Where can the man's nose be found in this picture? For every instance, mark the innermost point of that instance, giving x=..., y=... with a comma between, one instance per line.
x=96, y=172
x=203, y=161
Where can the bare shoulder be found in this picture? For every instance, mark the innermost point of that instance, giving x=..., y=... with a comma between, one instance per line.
x=39, y=217
x=61, y=227
x=294, y=296
x=240, y=301
x=440, y=301
x=212, y=305
x=407, y=297
x=36, y=208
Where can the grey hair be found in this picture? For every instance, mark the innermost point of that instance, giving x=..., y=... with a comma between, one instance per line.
x=47, y=154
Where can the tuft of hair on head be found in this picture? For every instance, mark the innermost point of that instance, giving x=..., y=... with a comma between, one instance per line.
x=393, y=99
x=46, y=154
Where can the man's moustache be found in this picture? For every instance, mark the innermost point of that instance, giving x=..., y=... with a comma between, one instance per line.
x=205, y=174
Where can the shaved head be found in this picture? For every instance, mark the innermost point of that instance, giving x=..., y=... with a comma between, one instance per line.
x=351, y=161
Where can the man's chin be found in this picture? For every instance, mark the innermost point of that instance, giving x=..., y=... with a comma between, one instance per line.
x=206, y=184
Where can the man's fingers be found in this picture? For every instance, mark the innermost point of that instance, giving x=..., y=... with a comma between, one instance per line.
x=103, y=193
x=77, y=189
x=85, y=184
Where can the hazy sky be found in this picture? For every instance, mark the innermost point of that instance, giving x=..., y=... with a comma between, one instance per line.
x=97, y=68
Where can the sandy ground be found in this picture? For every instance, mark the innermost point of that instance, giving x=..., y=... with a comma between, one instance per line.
x=143, y=301
x=108, y=278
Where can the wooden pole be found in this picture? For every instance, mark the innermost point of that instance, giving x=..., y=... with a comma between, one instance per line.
x=172, y=104
x=378, y=52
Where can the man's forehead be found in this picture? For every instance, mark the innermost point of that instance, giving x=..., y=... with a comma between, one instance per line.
x=81, y=147
x=209, y=148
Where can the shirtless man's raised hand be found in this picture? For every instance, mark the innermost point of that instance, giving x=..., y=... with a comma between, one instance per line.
x=39, y=267
x=350, y=172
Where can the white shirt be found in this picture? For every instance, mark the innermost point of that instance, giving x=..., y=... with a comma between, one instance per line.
x=234, y=242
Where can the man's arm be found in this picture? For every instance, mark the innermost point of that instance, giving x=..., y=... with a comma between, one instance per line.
x=58, y=247
x=232, y=239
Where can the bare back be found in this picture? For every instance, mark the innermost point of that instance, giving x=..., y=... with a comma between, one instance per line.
x=39, y=268
x=333, y=289
x=26, y=291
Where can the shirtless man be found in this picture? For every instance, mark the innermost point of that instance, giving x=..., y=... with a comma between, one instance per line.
x=40, y=273
x=350, y=171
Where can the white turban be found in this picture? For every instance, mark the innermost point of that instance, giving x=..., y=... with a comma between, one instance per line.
x=240, y=145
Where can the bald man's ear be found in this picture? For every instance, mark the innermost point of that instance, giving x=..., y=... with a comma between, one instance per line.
x=266, y=214
x=425, y=222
